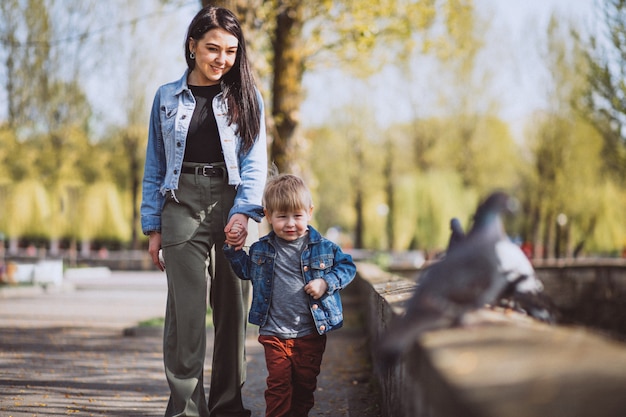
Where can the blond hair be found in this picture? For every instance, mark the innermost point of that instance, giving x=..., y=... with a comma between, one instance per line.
x=285, y=193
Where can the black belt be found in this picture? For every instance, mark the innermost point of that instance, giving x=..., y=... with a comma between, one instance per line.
x=205, y=171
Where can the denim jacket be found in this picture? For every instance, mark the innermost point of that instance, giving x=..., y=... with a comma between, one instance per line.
x=320, y=259
x=169, y=122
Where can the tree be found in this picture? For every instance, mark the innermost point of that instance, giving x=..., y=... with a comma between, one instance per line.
x=605, y=100
x=344, y=162
x=42, y=47
x=359, y=36
x=565, y=191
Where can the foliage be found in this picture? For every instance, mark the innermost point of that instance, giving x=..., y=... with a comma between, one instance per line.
x=430, y=187
x=26, y=210
x=565, y=191
x=604, y=102
x=55, y=177
x=358, y=36
x=427, y=202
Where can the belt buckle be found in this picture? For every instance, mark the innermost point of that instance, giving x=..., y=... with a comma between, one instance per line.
x=208, y=170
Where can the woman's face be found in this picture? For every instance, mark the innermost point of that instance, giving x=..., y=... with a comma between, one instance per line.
x=215, y=56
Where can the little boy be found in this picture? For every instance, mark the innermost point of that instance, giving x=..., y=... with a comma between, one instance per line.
x=296, y=276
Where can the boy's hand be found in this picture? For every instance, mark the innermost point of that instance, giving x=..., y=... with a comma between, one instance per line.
x=316, y=288
x=234, y=233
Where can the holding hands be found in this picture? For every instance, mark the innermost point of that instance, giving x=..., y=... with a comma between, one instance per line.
x=236, y=231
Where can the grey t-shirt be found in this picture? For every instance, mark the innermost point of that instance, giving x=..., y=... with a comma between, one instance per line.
x=289, y=315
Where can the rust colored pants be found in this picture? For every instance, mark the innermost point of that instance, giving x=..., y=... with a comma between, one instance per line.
x=293, y=366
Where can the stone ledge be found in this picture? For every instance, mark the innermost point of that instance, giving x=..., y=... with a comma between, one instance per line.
x=498, y=365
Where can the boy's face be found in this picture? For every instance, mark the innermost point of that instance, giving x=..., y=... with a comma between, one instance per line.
x=289, y=225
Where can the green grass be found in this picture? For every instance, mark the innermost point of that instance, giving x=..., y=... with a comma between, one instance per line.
x=160, y=321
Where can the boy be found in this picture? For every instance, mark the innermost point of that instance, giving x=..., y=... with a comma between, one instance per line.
x=296, y=276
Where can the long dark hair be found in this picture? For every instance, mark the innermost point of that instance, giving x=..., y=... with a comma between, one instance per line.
x=238, y=85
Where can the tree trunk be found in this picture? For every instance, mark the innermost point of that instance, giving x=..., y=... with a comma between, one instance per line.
x=389, y=193
x=287, y=82
x=359, y=227
x=243, y=9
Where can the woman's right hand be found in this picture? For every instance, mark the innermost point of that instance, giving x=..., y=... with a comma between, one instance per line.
x=154, y=245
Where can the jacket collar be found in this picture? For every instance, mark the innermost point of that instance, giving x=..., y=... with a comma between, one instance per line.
x=181, y=84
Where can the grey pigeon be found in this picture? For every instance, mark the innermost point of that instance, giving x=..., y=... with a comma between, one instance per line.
x=467, y=278
x=526, y=295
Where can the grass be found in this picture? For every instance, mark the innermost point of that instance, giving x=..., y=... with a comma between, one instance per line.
x=160, y=321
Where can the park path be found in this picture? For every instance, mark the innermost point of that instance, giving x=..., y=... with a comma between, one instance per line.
x=69, y=351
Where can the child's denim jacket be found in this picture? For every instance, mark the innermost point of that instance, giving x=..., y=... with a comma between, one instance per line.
x=320, y=259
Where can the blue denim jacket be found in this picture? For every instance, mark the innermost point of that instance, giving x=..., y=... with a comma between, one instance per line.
x=320, y=259
x=169, y=122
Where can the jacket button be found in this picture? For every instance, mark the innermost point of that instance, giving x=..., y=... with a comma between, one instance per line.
x=322, y=265
x=315, y=307
x=322, y=328
x=184, y=117
x=306, y=268
x=179, y=144
x=175, y=171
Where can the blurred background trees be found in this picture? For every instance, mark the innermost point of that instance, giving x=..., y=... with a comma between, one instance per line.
x=70, y=172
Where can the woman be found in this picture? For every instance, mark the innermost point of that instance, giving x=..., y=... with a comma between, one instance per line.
x=206, y=166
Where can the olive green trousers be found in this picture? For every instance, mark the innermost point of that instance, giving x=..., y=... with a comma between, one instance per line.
x=192, y=227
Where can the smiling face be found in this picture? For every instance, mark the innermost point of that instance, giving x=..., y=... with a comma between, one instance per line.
x=289, y=225
x=216, y=53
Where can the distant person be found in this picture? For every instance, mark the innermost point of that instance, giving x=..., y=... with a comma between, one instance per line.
x=206, y=166
x=296, y=275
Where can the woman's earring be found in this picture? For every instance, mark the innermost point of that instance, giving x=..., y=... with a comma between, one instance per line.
x=192, y=55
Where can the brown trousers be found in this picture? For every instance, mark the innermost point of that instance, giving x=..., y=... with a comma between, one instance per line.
x=293, y=366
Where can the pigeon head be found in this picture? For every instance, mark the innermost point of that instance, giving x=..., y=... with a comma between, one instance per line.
x=497, y=202
x=495, y=205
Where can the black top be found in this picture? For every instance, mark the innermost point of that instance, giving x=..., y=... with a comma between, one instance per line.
x=203, y=138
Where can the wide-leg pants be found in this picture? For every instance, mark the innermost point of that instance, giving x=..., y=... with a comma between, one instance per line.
x=192, y=223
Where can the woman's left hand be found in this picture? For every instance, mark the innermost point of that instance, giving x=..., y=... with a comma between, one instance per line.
x=236, y=231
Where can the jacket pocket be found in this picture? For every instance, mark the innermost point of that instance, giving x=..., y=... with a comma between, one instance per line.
x=320, y=264
x=168, y=119
x=260, y=265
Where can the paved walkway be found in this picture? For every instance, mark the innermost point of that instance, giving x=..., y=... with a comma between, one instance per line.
x=64, y=352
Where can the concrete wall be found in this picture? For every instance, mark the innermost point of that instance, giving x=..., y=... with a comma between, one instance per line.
x=588, y=292
x=502, y=364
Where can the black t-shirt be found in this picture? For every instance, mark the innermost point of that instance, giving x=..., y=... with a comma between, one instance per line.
x=203, y=139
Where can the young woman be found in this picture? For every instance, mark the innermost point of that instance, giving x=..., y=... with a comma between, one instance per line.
x=205, y=170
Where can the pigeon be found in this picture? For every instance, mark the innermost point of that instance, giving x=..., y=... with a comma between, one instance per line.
x=466, y=279
x=526, y=296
